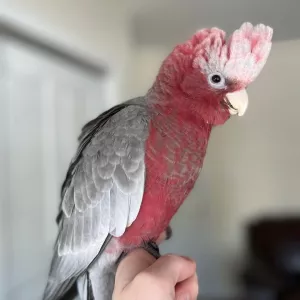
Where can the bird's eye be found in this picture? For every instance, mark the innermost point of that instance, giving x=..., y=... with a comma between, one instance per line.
x=216, y=80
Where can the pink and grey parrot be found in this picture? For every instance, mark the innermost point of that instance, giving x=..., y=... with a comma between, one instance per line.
x=137, y=162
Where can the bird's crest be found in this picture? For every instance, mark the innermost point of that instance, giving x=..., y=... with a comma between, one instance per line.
x=242, y=57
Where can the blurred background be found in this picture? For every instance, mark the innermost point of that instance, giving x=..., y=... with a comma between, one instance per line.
x=62, y=62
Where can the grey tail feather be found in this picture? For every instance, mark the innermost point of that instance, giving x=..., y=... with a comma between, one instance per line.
x=72, y=291
x=57, y=290
x=71, y=294
x=90, y=295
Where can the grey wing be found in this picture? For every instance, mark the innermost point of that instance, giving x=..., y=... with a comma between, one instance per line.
x=104, y=194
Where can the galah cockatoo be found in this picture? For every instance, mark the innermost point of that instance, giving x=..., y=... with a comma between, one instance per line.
x=137, y=162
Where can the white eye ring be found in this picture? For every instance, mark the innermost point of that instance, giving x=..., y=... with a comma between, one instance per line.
x=216, y=80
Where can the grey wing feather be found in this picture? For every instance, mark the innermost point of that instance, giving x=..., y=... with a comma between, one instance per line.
x=66, y=269
x=103, y=195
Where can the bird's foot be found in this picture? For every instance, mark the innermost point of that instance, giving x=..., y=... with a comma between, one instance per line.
x=151, y=246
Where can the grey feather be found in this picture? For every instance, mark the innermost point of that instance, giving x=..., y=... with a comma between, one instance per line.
x=87, y=226
x=112, y=211
x=133, y=175
x=102, y=192
x=114, y=158
x=102, y=276
x=121, y=210
x=106, y=171
x=134, y=205
x=96, y=218
x=69, y=232
x=92, y=150
x=85, y=197
x=106, y=150
x=78, y=232
x=68, y=203
x=65, y=237
x=103, y=184
x=135, y=153
x=105, y=207
x=129, y=164
x=120, y=146
x=82, y=286
x=123, y=182
x=80, y=204
x=90, y=185
x=65, y=270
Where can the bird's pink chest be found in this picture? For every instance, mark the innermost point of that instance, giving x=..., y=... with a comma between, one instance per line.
x=173, y=161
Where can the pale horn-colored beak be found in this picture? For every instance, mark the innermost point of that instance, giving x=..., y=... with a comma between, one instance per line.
x=237, y=102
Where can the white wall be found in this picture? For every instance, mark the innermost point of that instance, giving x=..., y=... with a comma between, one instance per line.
x=252, y=168
x=98, y=29
x=45, y=101
x=143, y=68
x=50, y=95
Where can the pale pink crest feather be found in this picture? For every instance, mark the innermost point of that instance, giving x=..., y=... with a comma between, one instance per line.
x=248, y=50
x=210, y=50
x=241, y=58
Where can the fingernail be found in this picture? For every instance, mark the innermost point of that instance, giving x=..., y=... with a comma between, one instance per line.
x=187, y=258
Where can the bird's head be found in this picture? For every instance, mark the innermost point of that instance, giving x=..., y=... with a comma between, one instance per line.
x=208, y=75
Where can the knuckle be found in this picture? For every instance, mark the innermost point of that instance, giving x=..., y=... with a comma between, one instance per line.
x=152, y=281
x=194, y=264
x=146, y=277
x=179, y=259
x=171, y=257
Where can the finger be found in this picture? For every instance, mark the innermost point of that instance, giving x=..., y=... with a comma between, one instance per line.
x=188, y=287
x=134, y=263
x=173, y=269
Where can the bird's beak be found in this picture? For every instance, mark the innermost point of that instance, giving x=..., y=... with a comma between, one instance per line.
x=237, y=102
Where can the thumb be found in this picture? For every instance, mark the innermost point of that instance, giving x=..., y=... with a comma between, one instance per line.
x=134, y=263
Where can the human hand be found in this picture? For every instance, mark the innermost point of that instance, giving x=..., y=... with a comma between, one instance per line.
x=141, y=277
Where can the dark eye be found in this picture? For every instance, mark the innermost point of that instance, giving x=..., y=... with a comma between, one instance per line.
x=216, y=80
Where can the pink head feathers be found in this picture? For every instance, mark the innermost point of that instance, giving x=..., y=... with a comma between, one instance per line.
x=205, y=77
x=239, y=60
